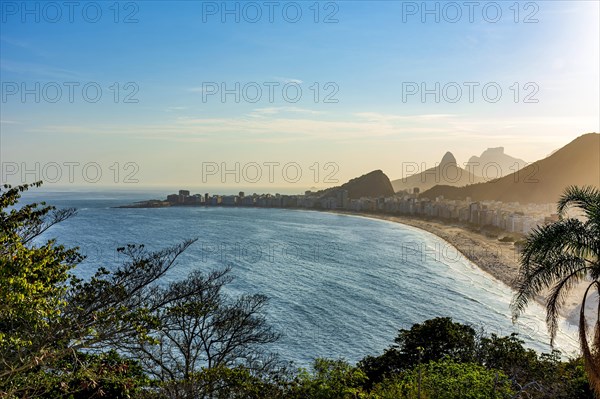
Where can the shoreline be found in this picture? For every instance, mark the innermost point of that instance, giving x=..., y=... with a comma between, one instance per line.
x=498, y=259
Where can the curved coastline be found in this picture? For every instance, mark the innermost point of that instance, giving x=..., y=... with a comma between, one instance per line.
x=452, y=270
x=499, y=260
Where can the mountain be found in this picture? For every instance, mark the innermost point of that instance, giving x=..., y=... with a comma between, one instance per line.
x=447, y=173
x=494, y=163
x=373, y=184
x=577, y=163
x=448, y=159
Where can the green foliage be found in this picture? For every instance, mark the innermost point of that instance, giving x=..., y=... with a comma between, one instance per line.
x=329, y=379
x=432, y=340
x=377, y=368
x=33, y=280
x=532, y=375
x=509, y=354
x=222, y=382
x=446, y=379
x=572, y=381
x=81, y=376
x=435, y=339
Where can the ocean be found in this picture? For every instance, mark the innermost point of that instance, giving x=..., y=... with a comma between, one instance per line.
x=339, y=286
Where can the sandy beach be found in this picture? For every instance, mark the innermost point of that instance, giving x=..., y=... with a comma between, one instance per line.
x=499, y=259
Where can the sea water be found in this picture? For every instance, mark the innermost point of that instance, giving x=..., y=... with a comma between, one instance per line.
x=339, y=286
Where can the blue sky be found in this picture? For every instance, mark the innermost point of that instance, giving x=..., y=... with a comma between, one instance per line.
x=172, y=52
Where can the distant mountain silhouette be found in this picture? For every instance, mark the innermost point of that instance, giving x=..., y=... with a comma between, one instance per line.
x=494, y=163
x=373, y=184
x=577, y=163
x=448, y=159
x=446, y=173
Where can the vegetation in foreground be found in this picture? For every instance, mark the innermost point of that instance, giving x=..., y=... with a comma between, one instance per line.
x=559, y=256
x=125, y=333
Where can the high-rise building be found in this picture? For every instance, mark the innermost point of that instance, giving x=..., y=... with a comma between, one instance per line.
x=173, y=198
x=342, y=199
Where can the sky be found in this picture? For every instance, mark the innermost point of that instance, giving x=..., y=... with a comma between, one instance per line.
x=296, y=95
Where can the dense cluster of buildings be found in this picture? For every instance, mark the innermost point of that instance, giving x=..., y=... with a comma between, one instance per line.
x=511, y=217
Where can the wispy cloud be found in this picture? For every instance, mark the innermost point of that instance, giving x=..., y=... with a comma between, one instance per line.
x=14, y=42
x=175, y=109
x=288, y=80
x=245, y=128
x=25, y=45
x=285, y=128
x=38, y=71
x=269, y=111
x=375, y=116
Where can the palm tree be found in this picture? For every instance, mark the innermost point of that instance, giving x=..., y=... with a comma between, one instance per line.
x=560, y=256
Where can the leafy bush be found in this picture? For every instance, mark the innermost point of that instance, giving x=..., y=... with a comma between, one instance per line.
x=446, y=379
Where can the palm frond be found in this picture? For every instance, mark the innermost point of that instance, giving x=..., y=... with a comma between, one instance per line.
x=557, y=298
x=567, y=235
x=533, y=281
x=550, y=254
x=586, y=198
